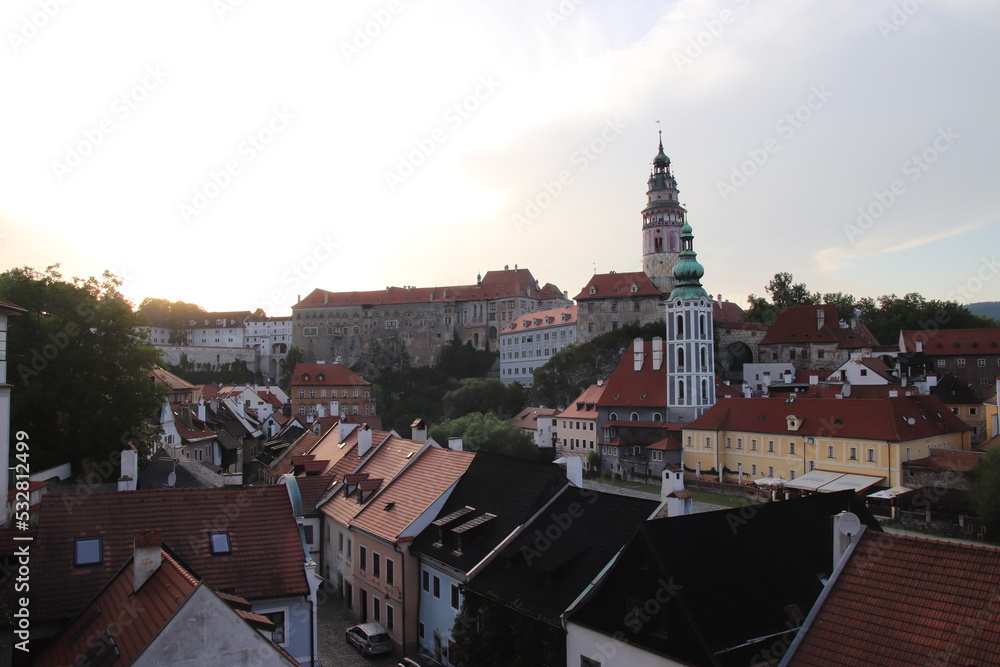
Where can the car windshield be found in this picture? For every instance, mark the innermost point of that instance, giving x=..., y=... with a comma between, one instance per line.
x=379, y=638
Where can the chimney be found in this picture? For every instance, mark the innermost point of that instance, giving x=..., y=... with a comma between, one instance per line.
x=232, y=479
x=201, y=408
x=820, y=317
x=637, y=355
x=364, y=440
x=345, y=429
x=455, y=444
x=320, y=410
x=657, y=353
x=920, y=345
x=326, y=298
x=418, y=431
x=574, y=470
x=788, y=377
x=813, y=379
x=846, y=528
x=129, y=470
x=146, y=557
x=186, y=417
x=678, y=501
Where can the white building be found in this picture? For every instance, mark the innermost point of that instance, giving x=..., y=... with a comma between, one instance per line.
x=529, y=342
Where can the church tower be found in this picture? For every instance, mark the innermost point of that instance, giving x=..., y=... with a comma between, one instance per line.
x=690, y=339
x=662, y=220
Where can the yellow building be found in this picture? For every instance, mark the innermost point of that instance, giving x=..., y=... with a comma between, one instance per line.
x=743, y=439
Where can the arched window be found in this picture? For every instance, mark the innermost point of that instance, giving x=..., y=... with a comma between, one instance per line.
x=680, y=326
x=634, y=417
x=704, y=358
x=657, y=417
x=613, y=417
x=701, y=326
x=704, y=391
x=680, y=357
x=680, y=391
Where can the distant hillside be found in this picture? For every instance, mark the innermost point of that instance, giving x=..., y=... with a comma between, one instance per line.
x=987, y=308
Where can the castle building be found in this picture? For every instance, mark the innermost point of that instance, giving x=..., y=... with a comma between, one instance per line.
x=662, y=221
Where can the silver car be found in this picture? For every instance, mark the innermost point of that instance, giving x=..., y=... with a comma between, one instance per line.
x=369, y=638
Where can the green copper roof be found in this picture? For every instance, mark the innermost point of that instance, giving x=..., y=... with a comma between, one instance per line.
x=688, y=272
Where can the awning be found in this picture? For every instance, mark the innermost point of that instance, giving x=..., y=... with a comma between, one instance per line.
x=882, y=495
x=852, y=482
x=769, y=481
x=813, y=479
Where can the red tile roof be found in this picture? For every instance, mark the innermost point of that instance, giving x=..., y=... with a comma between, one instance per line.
x=168, y=379
x=384, y=462
x=951, y=342
x=866, y=418
x=729, y=313
x=627, y=388
x=578, y=408
x=946, y=459
x=286, y=461
x=528, y=417
x=412, y=492
x=332, y=374
x=266, y=559
x=542, y=319
x=605, y=285
x=798, y=324
x=908, y=601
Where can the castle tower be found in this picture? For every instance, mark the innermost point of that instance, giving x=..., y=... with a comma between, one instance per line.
x=690, y=340
x=662, y=220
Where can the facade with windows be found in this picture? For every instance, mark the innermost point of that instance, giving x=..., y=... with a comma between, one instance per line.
x=415, y=323
x=329, y=390
x=577, y=426
x=531, y=340
x=741, y=439
x=972, y=355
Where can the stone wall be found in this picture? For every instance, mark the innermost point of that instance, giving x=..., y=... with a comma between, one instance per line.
x=212, y=357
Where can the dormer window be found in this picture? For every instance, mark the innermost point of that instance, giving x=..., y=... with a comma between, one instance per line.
x=319, y=378
x=793, y=422
x=87, y=552
x=305, y=377
x=634, y=288
x=219, y=543
x=593, y=290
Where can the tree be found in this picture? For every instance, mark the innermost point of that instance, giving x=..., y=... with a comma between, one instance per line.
x=786, y=293
x=294, y=356
x=494, y=633
x=890, y=314
x=484, y=395
x=984, y=491
x=485, y=432
x=845, y=304
x=81, y=368
x=175, y=315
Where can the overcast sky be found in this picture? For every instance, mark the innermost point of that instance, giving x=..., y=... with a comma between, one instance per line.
x=238, y=154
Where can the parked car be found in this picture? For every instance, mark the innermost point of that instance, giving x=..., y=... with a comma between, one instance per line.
x=369, y=638
x=419, y=660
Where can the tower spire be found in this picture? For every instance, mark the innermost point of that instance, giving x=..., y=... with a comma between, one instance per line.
x=662, y=220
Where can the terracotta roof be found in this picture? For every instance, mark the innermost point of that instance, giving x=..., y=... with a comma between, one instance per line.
x=723, y=390
x=670, y=443
x=383, y=462
x=168, y=379
x=728, y=312
x=870, y=419
x=332, y=374
x=268, y=397
x=542, y=319
x=528, y=417
x=799, y=324
x=951, y=342
x=266, y=559
x=606, y=285
x=284, y=464
x=905, y=600
x=627, y=388
x=412, y=492
x=584, y=406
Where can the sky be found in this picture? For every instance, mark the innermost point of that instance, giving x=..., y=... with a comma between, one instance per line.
x=241, y=153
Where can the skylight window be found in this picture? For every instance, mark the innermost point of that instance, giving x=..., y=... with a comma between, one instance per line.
x=88, y=551
x=220, y=543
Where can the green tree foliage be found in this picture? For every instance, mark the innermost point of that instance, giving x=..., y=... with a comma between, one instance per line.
x=294, y=356
x=490, y=633
x=485, y=432
x=984, y=491
x=80, y=364
x=465, y=361
x=884, y=316
x=889, y=314
x=484, y=395
x=574, y=368
x=176, y=315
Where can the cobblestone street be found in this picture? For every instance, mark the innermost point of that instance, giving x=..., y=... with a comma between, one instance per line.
x=334, y=651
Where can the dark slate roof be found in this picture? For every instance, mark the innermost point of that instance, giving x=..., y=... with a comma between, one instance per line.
x=509, y=488
x=955, y=391
x=190, y=474
x=553, y=560
x=266, y=560
x=734, y=572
